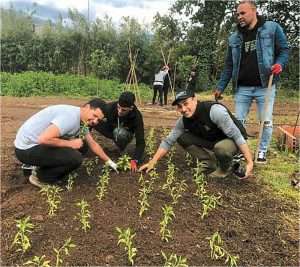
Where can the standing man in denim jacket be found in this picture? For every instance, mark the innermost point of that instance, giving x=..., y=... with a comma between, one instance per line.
x=256, y=50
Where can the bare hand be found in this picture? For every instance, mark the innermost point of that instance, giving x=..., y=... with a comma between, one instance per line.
x=76, y=143
x=148, y=166
x=217, y=94
x=249, y=169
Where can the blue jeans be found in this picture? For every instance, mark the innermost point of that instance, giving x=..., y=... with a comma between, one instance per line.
x=243, y=100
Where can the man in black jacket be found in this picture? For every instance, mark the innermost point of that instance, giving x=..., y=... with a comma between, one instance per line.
x=210, y=133
x=124, y=121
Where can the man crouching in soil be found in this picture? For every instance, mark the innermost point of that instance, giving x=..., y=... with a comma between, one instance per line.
x=53, y=140
x=210, y=133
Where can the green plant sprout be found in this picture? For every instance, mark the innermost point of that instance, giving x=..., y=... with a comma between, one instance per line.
x=21, y=238
x=168, y=215
x=143, y=199
x=209, y=202
x=174, y=261
x=188, y=159
x=103, y=183
x=124, y=163
x=171, y=154
x=83, y=130
x=84, y=214
x=63, y=249
x=165, y=133
x=71, y=179
x=141, y=179
x=217, y=251
x=89, y=166
x=38, y=261
x=170, y=176
x=125, y=237
x=177, y=190
x=53, y=198
x=150, y=143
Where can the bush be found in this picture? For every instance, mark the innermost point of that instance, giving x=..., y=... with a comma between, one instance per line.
x=47, y=84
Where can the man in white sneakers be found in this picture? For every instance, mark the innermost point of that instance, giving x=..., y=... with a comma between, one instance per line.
x=52, y=140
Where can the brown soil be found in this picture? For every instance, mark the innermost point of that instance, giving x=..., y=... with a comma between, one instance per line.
x=253, y=223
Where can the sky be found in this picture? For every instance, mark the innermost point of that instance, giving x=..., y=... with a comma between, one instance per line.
x=142, y=10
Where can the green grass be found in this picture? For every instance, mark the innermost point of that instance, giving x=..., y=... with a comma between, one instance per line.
x=277, y=173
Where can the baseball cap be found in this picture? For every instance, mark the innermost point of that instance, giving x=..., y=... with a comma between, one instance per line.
x=182, y=95
x=126, y=99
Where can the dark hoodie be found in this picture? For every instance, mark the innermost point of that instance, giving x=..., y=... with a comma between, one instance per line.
x=249, y=72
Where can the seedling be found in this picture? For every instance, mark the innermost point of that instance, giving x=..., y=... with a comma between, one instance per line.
x=38, y=261
x=84, y=130
x=170, y=176
x=103, y=183
x=209, y=202
x=169, y=214
x=150, y=143
x=174, y=261
x=188, y=159
x=126, y=238
x=21, y=238
x=217, y=251
x=71, y=179
x=143, y=199
x=89, y=166
x=84, y=214
x=53, y=198
x=177, y=190
x=63, y=249
x=124, y=163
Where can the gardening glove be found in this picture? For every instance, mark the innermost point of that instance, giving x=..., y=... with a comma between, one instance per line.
x=133, y=165
x=276, y=69
x=113, y=165
x=148, y=166
x=217, y=94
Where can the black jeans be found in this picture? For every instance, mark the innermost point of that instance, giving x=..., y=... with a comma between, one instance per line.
x=53, y=162
x=105, y=129
x=158, y=88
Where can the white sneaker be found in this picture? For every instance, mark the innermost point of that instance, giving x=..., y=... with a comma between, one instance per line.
x=262, y=157
x=35, y=181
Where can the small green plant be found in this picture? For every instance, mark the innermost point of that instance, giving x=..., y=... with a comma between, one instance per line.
x=188, y=159
x=52, y=194
x=103, y=183
x=170, y=176
x=63, y=249
x=150, y=143
x=38, y=261
x=21, y=238
x=168, y=215
x=71, y=179
x=89, y=166
x=84, y=214
x=125, y=237
x=174, y=261
x=143, y=199
x=209, y=202
x=83, y=130
x=177, y=190
x=124, y=163
x=217, y=251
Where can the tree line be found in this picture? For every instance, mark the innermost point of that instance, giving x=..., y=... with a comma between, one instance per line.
x=193, y=33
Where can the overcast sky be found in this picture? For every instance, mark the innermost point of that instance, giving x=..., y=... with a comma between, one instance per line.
x=142, y=10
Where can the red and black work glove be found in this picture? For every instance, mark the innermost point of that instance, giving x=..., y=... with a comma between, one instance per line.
x=133, y=165
x=276, y=69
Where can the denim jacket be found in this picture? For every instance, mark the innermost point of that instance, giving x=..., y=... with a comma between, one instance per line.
x=271, y=48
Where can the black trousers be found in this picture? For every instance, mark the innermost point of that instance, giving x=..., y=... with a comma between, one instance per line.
x=105, y=129
x=159, y=89
x=53, y=162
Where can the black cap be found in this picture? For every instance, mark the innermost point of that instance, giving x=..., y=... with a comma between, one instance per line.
x=126, y=99
x=182, y=95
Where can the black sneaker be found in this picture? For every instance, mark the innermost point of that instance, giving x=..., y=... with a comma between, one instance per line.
x=262, y=157
x=238, y=170
x=28, y=169
x=238, y=157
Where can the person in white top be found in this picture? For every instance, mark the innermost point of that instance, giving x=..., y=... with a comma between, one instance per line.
x=54, y=138
x=158, y=84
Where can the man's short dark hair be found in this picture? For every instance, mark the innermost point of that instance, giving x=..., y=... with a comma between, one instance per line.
x=97, y=103
x=126, y=99
x=250, y=2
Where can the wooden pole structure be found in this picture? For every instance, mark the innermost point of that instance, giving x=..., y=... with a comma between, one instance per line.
x=266, y=106
x=163, y=55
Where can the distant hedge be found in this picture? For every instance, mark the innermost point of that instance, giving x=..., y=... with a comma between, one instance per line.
x=44, y=84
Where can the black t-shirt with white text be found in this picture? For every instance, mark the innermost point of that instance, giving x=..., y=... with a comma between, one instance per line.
x=249, y=72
